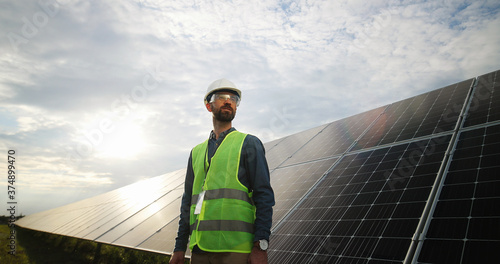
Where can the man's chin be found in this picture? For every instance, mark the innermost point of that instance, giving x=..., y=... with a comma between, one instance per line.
x=226, y=117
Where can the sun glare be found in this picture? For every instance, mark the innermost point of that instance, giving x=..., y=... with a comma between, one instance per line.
x=125, y=142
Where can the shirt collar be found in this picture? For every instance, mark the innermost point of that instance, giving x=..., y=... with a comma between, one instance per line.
x=222, y=135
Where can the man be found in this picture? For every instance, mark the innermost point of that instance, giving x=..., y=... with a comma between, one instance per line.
x=226, y=210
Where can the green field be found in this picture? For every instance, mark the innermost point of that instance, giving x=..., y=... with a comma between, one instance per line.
x=37, y=248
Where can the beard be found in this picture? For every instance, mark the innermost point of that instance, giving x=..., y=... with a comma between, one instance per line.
x=223, y=115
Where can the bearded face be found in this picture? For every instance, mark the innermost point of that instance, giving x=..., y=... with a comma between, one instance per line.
x=224, y=113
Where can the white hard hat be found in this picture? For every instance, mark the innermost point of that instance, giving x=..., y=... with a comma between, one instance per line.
x=221, y=84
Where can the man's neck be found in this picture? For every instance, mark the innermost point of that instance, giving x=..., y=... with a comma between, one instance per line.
x=220, y=127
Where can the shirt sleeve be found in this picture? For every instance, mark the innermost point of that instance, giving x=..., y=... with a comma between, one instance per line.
x=183, y=232
x=257, y=171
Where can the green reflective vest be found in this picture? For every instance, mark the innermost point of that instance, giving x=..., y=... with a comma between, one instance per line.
x=226, y=219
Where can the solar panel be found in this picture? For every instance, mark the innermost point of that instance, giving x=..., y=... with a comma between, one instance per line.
x=280, y=150
x=415, y=181
x=465, y=225
x=142, y=198
x=163, y=240
x=290, y=184
x=430, y=113
x=75, y=218
x=335, y=138
x=122, y=209
x=153, y=222
x=366, y=207
x=144, y=220
x=485, y=104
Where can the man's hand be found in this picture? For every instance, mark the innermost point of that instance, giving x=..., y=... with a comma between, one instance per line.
x=257, y=256
x=177, y=257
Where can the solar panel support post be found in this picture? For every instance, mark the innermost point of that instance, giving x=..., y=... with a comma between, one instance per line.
x=424, y=222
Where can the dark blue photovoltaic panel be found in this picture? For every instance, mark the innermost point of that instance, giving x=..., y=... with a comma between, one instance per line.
x=367, y=207
x=278, y=151
x=290, y=184
x=336, y=138
x=422, y=115
x=485, y=105
x=465, y=227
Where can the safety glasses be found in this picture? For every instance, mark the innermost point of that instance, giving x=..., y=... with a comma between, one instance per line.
x=224, y=97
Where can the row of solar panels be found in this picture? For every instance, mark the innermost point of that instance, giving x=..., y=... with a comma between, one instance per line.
x=412, y=181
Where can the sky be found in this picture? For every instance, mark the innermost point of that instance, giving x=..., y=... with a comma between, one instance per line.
x=96, y=95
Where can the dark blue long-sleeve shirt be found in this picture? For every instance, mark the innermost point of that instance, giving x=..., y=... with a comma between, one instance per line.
x=253, y=172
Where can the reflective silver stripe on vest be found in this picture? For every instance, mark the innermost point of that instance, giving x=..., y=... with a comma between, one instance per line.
x=192, y=227
x=224, y=193
x=222, y=225
x=226, y=225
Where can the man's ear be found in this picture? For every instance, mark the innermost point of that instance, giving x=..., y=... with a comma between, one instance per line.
x=209, y=107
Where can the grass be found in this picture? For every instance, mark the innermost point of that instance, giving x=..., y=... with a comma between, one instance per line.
x=5, y=257
x=34, y=247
